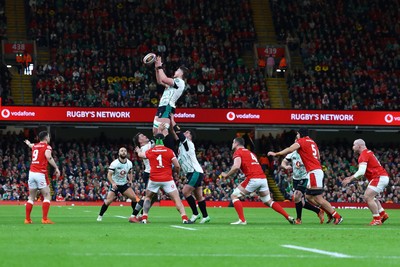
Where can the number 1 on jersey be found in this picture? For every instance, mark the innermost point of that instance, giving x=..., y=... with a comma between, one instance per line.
x=159, y=158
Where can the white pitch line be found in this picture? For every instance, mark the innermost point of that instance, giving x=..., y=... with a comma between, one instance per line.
x=184, y=228
x=318, y=251
x=122, y=217
x=185, y=255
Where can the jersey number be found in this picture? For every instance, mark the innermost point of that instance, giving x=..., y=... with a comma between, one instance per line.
x=35, y=154
x=314, y=151
x=253, y=157
x=159, y=158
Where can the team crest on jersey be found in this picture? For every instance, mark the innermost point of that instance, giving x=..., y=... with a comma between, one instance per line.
x=122, y=173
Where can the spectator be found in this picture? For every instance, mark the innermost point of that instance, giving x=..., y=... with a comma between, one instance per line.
x=270, y=65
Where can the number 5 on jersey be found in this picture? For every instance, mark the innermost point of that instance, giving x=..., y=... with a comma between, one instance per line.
x=314, y=151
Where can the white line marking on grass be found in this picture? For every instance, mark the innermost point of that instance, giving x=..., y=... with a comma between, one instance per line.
x=122, y=217
x=184, y=228
x=218, y=255
x=87, y=211
x=318, y=251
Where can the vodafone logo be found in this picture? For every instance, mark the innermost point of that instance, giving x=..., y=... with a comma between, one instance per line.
x=5, y=113
x=230, y=116
x=389, y=118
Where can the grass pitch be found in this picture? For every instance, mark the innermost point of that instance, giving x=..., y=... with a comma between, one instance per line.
x=77, y=239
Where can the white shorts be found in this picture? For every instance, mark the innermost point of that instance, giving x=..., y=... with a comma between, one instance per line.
x=315, y=179
x=379, y=184
x=251, y=185
x=37, y=180
x=168, y=187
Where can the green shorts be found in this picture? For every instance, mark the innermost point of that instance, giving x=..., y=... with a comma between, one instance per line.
x=195, y=179
x=165, y=111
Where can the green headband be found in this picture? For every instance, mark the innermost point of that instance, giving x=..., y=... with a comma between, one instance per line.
x=159, y=142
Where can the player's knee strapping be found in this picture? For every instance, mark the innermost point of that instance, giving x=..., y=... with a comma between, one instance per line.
x=237, y=193
x=266, y=198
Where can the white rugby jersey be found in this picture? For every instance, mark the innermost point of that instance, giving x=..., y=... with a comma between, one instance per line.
x=120, y=171
x=299, y=171
x=188, y=159
x=146, y=162
x=172, y=93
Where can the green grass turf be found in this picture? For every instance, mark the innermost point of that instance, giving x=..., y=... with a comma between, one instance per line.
x=77, y=239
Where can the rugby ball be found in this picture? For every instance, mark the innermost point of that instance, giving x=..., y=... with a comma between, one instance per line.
x=149, y=58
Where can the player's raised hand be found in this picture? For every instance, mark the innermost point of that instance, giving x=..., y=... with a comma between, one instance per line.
x=27, y=142
x=271, y=153
x=158, y=62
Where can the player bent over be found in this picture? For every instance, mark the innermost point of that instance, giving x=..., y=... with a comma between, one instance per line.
x=120, y=178
x=293, y=162
x=194, y=174
x=309, y=154
x=38, y=177
x=371, y=168
x=161, y=159
x=255, y=180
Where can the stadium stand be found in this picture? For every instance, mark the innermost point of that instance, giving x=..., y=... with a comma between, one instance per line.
x=84, y=167
x=351, y=56
x=97, y=46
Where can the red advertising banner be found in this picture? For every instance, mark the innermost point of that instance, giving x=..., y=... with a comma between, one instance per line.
x=215, y=204
x=201, y=116
x=276, y=52
x=10, y=48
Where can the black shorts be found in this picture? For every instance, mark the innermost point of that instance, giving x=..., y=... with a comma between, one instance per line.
x=120, y=188
x=145, y=178
x=165, y=111
x=195, y=179
x=300, y=185
x=315, y=192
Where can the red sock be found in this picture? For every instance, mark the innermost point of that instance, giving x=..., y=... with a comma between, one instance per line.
x=336, y=215
x=45, y=209
x=239, y=209
x=276, y=207
x=185, y=217
x=28, y=210
x=383, y=212
x=327, y=212
x=145, y=217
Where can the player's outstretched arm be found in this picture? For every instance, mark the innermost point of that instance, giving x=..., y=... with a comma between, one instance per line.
x=28, y=143
x=362, y=168
x=287, y=150
x=237, y=162
x=162, y=77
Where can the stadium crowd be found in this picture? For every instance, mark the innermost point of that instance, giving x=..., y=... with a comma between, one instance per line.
x=3, y=21
x=97, y=47
x=84, y=166
x=351, y=56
